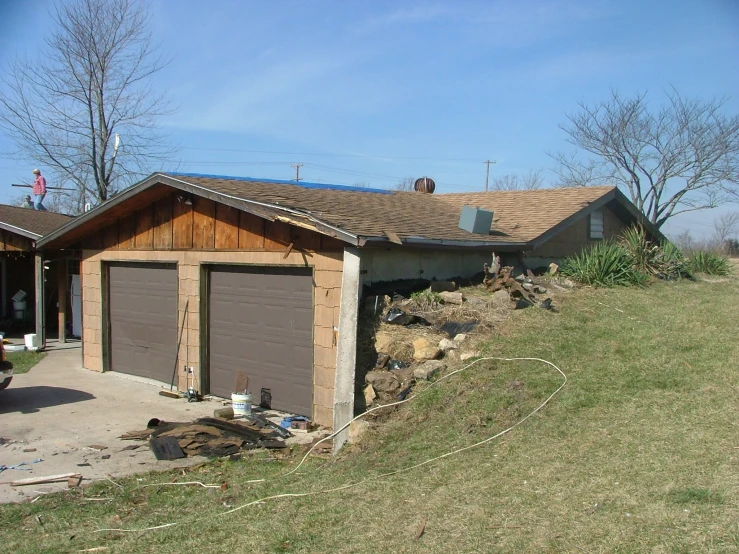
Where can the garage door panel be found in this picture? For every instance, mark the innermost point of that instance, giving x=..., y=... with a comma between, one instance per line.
x=261, y=322
x=143, y=319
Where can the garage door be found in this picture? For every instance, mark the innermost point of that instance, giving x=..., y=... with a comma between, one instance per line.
x=143, y=319
x=261, y=322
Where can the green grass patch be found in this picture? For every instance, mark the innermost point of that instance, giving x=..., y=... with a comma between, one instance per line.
x=24, y=361
x=636, y=454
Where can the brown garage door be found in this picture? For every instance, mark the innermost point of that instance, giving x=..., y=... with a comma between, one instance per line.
x=261, y=322
x=143, y=319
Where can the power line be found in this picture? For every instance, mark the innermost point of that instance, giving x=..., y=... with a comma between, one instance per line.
x=487, y=173
x=297, y=170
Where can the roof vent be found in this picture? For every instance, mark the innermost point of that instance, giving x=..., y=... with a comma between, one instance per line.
x=475, y=220
x=425, y=184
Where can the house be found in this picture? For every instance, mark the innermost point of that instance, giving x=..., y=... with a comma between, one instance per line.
x=20, y=228
x=190, y=278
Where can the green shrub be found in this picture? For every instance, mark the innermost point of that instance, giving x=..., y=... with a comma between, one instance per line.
x=425, y=299
x=664, y=260
x=607, y=264
x=711, y=263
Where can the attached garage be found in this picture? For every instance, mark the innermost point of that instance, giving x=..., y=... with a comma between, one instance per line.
x=142, y=311
x=261, y=322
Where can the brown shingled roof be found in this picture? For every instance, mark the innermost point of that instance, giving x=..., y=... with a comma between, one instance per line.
x=33, y=222
x=520, y=216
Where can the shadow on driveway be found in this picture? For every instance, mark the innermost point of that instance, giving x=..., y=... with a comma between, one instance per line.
x=28, y=400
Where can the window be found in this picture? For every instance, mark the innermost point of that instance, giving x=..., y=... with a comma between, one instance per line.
x=596, y=224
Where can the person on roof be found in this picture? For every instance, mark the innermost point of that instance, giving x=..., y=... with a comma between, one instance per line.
x=39, y=190
x=27, y=202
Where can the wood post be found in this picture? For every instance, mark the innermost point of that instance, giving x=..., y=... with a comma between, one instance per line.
x=63, y=286
x=39, y=273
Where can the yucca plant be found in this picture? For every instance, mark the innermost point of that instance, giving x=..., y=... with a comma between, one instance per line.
x=656, y=260
x=711, y=263
x=607, y=264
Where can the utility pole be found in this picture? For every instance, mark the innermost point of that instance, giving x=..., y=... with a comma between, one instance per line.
x=487, y=173
x=297, y=170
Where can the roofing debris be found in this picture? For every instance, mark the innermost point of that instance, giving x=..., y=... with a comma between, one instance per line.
x=210, y=437
x=522, y=289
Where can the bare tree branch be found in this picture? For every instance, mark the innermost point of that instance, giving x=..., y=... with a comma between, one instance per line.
x=512, y=181
x=86, y=109
x=682, y=157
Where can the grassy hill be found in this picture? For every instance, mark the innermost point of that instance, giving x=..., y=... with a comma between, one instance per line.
x=638, y=453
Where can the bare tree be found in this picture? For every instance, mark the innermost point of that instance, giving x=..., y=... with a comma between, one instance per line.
x=681, y=157
x=513, y=181
x=725, y=228
x=86, y=109
x=406, y=184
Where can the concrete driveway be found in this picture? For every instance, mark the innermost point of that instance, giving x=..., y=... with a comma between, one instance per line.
x=60, y=410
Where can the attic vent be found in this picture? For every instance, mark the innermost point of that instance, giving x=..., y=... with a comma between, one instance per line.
x=425, y=184
x=475, y=220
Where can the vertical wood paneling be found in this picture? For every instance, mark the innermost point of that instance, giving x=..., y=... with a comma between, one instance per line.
x=251, y=232
x=203, y=224
x=330, y=243
x=144, y=238
x=163, y=224
x=110, y=236
x=127, y=232
x=306, y=240
x=227, y=227
x=277, y=235
x=181, y=225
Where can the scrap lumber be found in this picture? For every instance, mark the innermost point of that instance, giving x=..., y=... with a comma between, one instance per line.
x=46, y=479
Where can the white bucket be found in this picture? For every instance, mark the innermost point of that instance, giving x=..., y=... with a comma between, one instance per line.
x=241, y=404
x=20, y=306
x=32, y=341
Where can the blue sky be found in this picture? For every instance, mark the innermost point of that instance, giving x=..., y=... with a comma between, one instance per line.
x=373, y=91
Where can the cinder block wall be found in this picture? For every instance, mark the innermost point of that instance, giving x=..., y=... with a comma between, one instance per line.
x=327, y=295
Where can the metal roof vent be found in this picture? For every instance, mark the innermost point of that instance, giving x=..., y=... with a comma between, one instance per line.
x=425, y=184
x=476, y=220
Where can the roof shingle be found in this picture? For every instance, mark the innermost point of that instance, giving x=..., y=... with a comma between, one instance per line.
x=32, y=221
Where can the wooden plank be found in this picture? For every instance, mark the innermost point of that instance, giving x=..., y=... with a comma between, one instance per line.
x=392, y=237
x=41, y=480
x=62, y=286
x=306, y=240
x=144, y=239
x=181, y=224
x=277, y=235
x=127, y=232
x=17, y=243
x=331, y=243
x=203, y=224
x=251, y=232
x=162, y=224
x=110, y=236
x=227, y=227
x=2, y=240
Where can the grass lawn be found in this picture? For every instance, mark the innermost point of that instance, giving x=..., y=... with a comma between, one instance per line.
x=638, y=453
x=24, y=361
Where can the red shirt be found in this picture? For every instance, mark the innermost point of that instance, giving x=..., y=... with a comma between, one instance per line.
x=39, y=185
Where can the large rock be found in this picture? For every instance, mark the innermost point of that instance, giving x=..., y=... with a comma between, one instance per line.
x=446, y=345
x=501, y=298
x=428, y=369
x=357, y=429
x=452, y=297
x=423, y=349
x=460, y=338
x=404, y=375
x=383, y=341
x=383, y=381
x=469, y=355
x=369, y=395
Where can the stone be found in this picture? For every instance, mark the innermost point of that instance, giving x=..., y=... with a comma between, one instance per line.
x=528, y=287
x=553, y=268
x=382, y=381
x=369, y=395
x=475, y=301
x=443, y=286
x=468, y=355
x=383, y=341
x=404, y=375
x=382, y=360
x=538, y=289
x=423, y=349
x=427, y=370
x=501, y=298
x=357, y=429
x=460, y=337
x=446, y=345
x=452, y=297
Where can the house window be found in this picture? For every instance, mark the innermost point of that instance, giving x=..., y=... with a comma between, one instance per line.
x=596, y=224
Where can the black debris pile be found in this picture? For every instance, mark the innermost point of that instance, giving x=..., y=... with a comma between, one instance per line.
x=210, y=437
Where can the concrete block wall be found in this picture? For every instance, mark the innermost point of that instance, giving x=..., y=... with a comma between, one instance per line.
x=327, y=273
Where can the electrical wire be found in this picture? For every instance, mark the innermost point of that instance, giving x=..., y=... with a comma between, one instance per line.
x=389, y=473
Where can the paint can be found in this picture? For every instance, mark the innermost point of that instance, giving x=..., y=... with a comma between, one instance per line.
x=241, y=403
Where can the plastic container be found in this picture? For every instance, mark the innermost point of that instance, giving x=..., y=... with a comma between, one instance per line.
x=241, y=404
x=32, y=341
